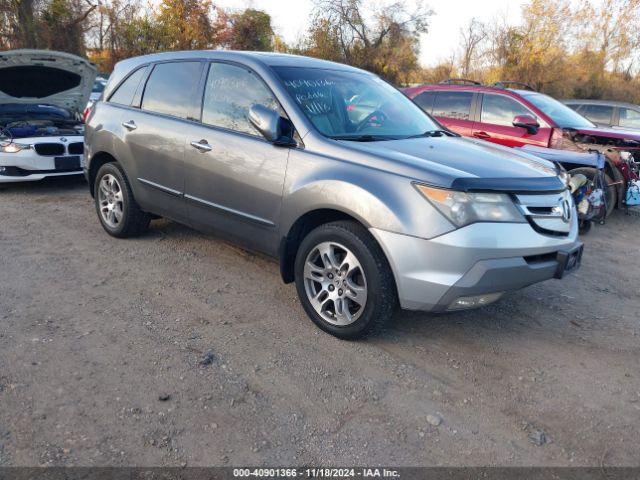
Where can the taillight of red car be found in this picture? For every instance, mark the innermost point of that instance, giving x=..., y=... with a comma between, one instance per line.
x=87, y=112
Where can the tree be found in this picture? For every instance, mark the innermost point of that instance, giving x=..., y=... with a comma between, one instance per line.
x=472, y=36
x=386, y=44
x=251, y=30
x=190, y=25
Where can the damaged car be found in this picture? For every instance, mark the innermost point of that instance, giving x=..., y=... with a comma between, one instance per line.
x=520, y=116
x=42, y=95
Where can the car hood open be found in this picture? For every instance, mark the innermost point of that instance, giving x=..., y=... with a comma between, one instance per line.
x=46, y=77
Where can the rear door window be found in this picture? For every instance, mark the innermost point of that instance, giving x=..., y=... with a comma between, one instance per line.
x=629, y=118
x=501, y=110
x=454, y=105
x=170, y=88
x=425, y=101
x=125, y=92
x=229, y=93
x=598, y=113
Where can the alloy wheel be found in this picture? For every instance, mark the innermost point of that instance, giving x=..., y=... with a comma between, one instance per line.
x=335, y=283
x=110, y=200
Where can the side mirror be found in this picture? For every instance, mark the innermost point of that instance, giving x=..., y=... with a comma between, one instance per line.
x=269, y=123
x=527, y=122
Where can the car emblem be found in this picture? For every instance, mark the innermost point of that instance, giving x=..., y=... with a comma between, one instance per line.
x=564, y=207
x=63, y=139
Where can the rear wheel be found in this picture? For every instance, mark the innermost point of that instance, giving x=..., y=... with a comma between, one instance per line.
x=119, y=213
x=610, y=189
x=344, y=281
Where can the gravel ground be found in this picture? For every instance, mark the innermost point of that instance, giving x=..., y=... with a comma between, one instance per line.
x=177, y=348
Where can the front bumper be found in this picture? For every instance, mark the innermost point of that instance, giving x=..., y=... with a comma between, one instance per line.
x=476, y=261
x=28, y=166
x=35, y=175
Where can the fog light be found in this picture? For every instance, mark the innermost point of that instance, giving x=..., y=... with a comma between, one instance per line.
x=475, y=301
x=3, y=170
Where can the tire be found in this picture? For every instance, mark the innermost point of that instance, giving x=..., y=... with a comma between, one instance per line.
x=360, y=264
x=611, y=193
x=119, y=213
x=584, y=226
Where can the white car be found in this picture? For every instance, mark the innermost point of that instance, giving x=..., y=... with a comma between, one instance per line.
x=42, y=96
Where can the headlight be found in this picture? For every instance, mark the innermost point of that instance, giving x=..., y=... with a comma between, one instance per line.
x=13, y=147
x=462, y=208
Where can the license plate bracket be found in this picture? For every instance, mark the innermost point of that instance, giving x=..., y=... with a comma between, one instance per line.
x=67, y=163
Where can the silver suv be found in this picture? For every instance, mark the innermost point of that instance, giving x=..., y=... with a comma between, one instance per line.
x=367, y=202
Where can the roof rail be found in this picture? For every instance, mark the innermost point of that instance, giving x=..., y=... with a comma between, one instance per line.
x=506, y=83
x=463, y=81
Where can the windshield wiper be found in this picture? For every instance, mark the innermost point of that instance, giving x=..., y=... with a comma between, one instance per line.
x=434, y=133
x=361, y=138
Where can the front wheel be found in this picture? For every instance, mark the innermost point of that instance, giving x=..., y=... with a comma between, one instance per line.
x=344, y=281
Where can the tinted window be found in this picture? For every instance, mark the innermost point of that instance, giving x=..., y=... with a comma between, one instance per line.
x=170, y=88
x=500, y=110
x=425, y=101
x=598, y=113
x=229, y=94
x=125, y=92
x=380, y=111
x=562, y=115
x=455, y=105
x=629, y=118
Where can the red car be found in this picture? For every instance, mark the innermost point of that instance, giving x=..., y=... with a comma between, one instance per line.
x=518, y=117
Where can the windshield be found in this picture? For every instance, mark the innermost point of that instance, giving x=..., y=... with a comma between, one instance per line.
x=98, y=87
x=562, y=115
x=351, y=105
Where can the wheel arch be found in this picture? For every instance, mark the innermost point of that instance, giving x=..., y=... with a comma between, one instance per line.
x=290, y=242
x=97, y=161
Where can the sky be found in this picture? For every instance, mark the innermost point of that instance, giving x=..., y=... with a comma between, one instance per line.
x=291, y=18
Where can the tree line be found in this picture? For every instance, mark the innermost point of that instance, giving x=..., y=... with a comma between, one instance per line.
x=565, y=48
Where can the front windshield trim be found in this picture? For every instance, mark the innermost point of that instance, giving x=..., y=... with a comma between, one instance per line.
x=427, y=122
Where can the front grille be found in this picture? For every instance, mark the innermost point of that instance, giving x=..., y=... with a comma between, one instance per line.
x=49, y=149
x=76, y=148
x=549, y=214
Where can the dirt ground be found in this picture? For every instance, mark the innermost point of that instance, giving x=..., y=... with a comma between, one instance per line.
x=177, y=348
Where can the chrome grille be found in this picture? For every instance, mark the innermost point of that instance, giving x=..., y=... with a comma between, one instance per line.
x=549, y=213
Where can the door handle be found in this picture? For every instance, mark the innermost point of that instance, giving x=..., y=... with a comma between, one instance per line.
x=202, y=145
x=481, y=135
x=130, y=125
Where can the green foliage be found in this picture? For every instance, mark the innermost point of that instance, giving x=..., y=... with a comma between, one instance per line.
x=386, y=43
x=251, y=30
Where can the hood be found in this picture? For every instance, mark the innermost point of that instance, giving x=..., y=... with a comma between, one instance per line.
x=625, y=135
x=467, y=163
x=46, y=77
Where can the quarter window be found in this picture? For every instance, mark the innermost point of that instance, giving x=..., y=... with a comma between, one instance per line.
x=127, y=89
x=501, y=110
x=229, y=93
x=454, y=105
x=598, y=113
x=170, y=88
x=629, y=118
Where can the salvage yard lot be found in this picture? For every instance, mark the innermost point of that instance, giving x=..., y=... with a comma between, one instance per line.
x=176, y=348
